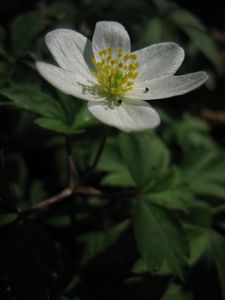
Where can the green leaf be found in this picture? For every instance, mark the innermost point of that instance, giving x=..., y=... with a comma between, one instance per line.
x=112, y=162
x=183, y=18
x=198, y=242
x=189, y=132
x=120, y=178
x=159, y=237
x=209, y=245
x=200, y=214
x=217, y=253
x=171, y=179
x=37, y=191
x=155, y=31
x=63, y=12
x=140, y=287
x=97, y=242
x=145, y=156
x=192, y=133
x=161, y=5
x=17, y=173
x=205, y=44
x=30, y=98
x=171, y=192
x=140, y=267
x=176, y=199
x=198, y=229
x=77, y=113
x=24, y=30
x=175, y=292
x=6, y=219
x=84, y=119
x=56, y=125
x=205, y=242
x=196, y=32
x=204, y=172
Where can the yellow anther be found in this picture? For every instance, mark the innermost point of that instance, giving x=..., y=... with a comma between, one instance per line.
x=120, y=52
x=115, y=72
x=133, y=75
x=107, y=69
x=126, y=57
x=130, y=83
x=127, y=89
x=133, y=56
x=99, y=65
x=132, y=66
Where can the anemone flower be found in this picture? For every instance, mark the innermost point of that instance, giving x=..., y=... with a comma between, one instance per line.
x=113, y=80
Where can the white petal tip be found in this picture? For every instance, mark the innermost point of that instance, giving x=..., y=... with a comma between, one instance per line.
x=54, y=32
x=38, y=65
x=198, y=79
x=204, y=76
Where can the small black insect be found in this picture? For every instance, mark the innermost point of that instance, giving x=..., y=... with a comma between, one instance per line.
x=146, y=90
x=119, y=102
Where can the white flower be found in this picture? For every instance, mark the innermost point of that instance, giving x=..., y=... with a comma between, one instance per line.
x=114, y=80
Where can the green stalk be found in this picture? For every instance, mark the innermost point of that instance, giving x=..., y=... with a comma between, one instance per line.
x=98, y=154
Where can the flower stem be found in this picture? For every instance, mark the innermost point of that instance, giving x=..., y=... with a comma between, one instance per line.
x=73, y=171
x=75, y=184
x=54, y=199
x=98, y=154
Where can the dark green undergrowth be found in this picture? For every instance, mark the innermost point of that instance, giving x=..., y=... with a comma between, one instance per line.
x=148, y=222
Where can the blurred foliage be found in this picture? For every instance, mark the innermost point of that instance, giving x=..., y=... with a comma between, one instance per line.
x=157, y=231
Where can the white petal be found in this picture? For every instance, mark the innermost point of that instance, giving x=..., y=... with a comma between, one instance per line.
x=110, y=34
x=167, y=86
x=159, y=59
x=71, y=50
x=131, y=115
x=68, y=82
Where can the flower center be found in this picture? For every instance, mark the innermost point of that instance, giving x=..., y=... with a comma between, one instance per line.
x=115, y=73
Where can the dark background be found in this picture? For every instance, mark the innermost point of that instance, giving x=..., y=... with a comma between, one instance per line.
x=37, y=256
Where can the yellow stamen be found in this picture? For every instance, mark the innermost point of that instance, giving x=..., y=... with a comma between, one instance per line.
x=120, y=52
x=133, y=56
x=115, y=73
x=126, y=57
